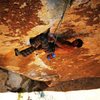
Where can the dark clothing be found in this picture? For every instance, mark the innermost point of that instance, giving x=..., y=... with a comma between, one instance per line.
x=41, y=42
x=27, y=51
x=37, y=43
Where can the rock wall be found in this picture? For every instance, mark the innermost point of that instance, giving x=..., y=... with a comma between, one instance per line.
x=21, y=19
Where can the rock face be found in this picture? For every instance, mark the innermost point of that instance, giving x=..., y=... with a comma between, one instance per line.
x=3, y=79
x=14, y=80
x=20, y=20
x=78, y=84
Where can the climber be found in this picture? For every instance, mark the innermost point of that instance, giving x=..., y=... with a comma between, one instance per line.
x=43, y=41
x=48, y=42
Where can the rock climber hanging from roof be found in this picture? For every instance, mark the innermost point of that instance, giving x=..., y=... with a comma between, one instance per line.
x=48, y=42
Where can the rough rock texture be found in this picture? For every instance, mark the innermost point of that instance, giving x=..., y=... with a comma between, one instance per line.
x=3, y=79
x=20, y=20
x=14, y=80
x=78, y=84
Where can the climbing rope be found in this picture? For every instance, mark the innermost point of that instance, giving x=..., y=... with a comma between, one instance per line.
x=67, y=5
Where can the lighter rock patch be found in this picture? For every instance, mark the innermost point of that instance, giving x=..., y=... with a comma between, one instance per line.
x=39, y=62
